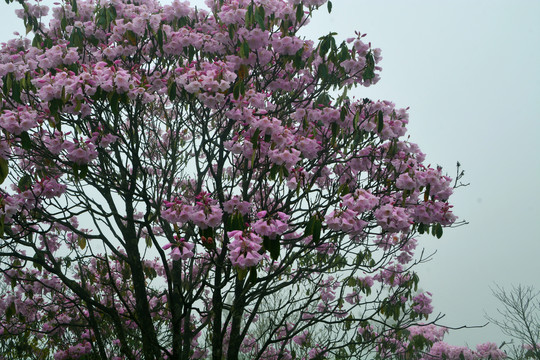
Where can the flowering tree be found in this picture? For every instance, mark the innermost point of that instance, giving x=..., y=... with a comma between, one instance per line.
x=182, y=183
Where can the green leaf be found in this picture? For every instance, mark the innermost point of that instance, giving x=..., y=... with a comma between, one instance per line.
x=7, y=83
x=76, y=38
x=329, y=6
x=131, y=37
x=232, y=30
x=259, y=17
x=114, y=101
x=242, y=87
x=297, y=59
x=274, y=170
x=273, y=246
x=36, y=42
x=243, y=72
x=82, y=242
x=26, y=142
x=75, y=168
x=241, y=273
x=323, y=99
x=317, y=227
x=10, y=311
x=148, y=240
x=255, y=138
x=236, y=221
x=426, y=193
x=369, y=71
x=101, y=18
x=356, y=119
x=324, y=45
x=74, y=6
x=249, y=16
x=438, y=230
x=322, y=71
x=4, y=169
x=112, y=12
x=380, y=121
x=48, y=43
x=421, y=228
x=2, y=226
x=172, y=90
x=160, y=39
x=299, y=12
x=236, y=90
x=335, y=130
x=244, y=50
x=83, y=171
x=252, y=275
x=63, y=24
x=343, y=113
x=344, y=189
x=309, y=226
x=25, y=183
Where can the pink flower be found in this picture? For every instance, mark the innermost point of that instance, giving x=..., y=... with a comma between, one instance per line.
x=422, y=303
x=244, y=249
x=180, y=250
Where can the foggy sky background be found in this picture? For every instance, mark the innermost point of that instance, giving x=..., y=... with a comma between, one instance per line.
x=470, y=73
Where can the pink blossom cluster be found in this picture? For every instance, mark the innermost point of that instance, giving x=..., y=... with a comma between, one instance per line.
x=15, y=122
x=181, y=249
x=205, y=213
x=80, y=152
x=434, y=348
x=213, y=77
x=74, y=352
x=439, y=185
x=236, y=204
x=270, y=226
x=244, y=248
x=49, y=188
x=484, y=351
x=345, y=220
x=422, y=304
x=393, y=218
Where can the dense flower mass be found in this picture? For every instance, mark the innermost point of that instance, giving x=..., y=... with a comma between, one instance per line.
x=196, y=183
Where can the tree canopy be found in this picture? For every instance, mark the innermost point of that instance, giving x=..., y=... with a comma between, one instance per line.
x=184, y=183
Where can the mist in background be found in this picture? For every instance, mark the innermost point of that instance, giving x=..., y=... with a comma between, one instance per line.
x=470, y=73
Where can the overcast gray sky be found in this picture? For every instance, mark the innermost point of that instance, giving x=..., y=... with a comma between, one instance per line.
x=470, y=73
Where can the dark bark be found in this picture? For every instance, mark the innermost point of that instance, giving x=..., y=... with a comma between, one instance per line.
x=237, y=312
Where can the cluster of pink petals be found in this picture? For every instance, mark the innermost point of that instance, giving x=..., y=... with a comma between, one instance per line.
x=74, y=352
x=393, y=218
x=49, y=188
x=180, y=250
x=244, y=249
x=80, y=152
x=442, y=350
x=345, y=220
x=440, y=185
x=434, y=212
x=15, y=122
x=422, y=303
x=214, y=77
x=236, y=203
x=271, y=226
x=205, y=213
x=360, y=200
